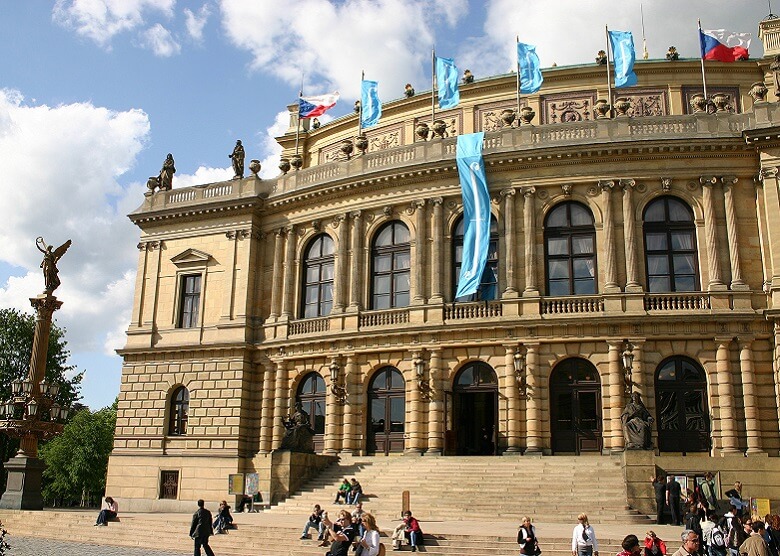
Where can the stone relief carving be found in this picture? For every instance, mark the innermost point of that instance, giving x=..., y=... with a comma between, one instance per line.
x=731, y=103
x=646, y=103
x=384, y=141
x=566, y=107
x=666, y=184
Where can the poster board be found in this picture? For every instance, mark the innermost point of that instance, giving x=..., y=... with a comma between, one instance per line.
x=759, y=506
x=236, y=483
x=252, y=484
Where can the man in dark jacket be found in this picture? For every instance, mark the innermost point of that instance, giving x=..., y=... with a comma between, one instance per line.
x=659, y=488
x=201, y=529
x=673, y=493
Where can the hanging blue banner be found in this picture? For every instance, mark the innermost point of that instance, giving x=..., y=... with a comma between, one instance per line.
x=371, y=106
x=530, y=69
x=476, y=212
x=447, y=82
x=623, y=55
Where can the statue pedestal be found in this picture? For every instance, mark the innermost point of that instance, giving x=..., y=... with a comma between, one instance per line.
x=23, y=490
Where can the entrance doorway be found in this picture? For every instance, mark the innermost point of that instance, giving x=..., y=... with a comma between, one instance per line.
x=681, y=404
x=386, y=407
x=475, y=400
x=311, y=395
x=575, y=407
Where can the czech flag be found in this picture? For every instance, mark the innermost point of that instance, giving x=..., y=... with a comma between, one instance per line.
x=723, y=45
x=310, y=107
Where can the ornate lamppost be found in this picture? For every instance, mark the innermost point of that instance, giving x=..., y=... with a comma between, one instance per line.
x=32, y=414
x=628, y=366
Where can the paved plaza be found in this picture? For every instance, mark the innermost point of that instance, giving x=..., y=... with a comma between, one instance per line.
x=28, y=546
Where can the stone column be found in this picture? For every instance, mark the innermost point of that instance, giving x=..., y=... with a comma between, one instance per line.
x=737, y=283
x=357, y=250
x=267, y=408
x=529, y=234
x=629, y=237
x=512, y=394
x=418, y=275
x=710, y=230
x=436, y=406
x=289, y=273
x=153, y=288
x=728, y=433
x=332, y=421
x=533, y=404
x=509, y=242
x=414, y=417
x=616, y=396
x=610, y=266
x=278, y=274
x=282, y=404
x=752, y=421
x=437, y=272
x=229, y=289
x=140, y=285
x=340, y=278
x=768, y=206
x=352, y=407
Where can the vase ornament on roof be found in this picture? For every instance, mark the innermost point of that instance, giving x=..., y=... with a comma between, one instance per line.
x=758, y=92
x=347, y=147
x=361, y=142
x=527, y=115
x=601, y=108
x=284, y=165
x=296, y=161
x=422, y=130
x=255, y=166
x=439, y=128
x=622, y=106
x=721, y=102
x=508, y=117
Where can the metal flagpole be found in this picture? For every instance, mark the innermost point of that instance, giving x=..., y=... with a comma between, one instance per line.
x=517, y=37
x=298, y=117
x=703, y=79
x=645, y=54
x=360, y=112
x=433, y=86
x=609, y=81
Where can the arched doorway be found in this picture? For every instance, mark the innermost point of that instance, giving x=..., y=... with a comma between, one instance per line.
x=311, y=395
x=681, y=405
x=386, y=407
x=475, y=400
x=575, y=407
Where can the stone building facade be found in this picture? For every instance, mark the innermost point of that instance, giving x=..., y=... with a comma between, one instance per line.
x=637, y=252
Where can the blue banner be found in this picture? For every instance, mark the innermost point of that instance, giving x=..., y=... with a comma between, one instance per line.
x=371, y=106
x=447, y=82
x=530, y=69
x=623, y=55
x=476, y=212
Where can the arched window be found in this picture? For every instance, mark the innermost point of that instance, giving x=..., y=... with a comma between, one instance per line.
x=318, y=278
x=681, y=406
x=180, y=407
x=311, y=395
x=670, y=246
x=570, y=250
x=488, y=287
x=390, y=263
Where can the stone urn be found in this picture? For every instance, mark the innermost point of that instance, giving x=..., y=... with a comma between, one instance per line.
x=439, y=128
x=527, y=115
x=422, y=130
x=758, y=91
x=507, y=116
x=284, y=165
x=721, y=102
x=347, y=147
x=296, y=161
x=255, y=167
x=601, y=109
x=622, y=106
x=698, y=103
x=361, y=142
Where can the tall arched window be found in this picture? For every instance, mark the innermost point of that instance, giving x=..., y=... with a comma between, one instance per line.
x=180, y=407
x=318, y=278
x=390, y=263
x=670, y=246
x=570, y=250
x=488, y=287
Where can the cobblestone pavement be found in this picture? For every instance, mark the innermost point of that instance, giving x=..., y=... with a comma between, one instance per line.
x=28, y=546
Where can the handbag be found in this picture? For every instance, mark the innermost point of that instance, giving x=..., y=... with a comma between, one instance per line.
x=382, y=550
x=537, y=550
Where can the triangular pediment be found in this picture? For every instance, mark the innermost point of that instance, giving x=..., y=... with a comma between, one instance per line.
x=191, y=257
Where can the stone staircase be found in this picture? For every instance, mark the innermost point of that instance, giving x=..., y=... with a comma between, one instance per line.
x=554, y=489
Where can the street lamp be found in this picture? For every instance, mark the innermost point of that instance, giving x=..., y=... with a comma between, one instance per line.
x=628, y=363
x=518, y=360
x=338, y=391
x=423, y=386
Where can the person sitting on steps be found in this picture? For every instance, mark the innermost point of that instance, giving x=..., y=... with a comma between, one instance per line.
x=355, y=491
x=108, y=513
x=343, y=491
x=410, y=530
x=315, y=520
x=224, y=520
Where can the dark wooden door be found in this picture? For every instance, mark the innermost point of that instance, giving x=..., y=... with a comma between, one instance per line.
x=575, y=407
x=311, y=395
x=681, y=406
x=475, y=399
x=387, y=412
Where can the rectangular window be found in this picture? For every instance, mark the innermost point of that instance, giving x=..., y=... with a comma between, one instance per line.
x=169, y=485
x=190, y=301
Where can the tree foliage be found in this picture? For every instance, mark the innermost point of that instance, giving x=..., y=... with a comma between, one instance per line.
x=77, y=460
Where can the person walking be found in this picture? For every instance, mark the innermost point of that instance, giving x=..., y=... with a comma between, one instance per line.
x=526, y=538
x=659, y=489
x=201, y=529
x=755, y=545
x=709, y=492
x=583, y=538
x=690, y=544
x=673, y=493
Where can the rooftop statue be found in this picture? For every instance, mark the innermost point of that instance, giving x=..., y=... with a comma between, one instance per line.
x=468, y=77
x=672, y=54
x=237, y=157
x=49, y=263
x=164, y=180
x=601, y=58
x=409, y=90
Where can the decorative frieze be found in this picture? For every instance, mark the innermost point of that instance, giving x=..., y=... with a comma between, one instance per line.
x=567, y=107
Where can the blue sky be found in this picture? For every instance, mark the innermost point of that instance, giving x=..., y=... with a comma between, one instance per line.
x=95, y=93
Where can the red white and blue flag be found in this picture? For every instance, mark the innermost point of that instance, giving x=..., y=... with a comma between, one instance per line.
x=310, y=107
x=723, y=45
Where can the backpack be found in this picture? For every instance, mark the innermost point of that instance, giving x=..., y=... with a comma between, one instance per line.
x=717, y=538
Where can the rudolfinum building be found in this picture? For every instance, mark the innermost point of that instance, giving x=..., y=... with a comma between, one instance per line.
x=632, y=249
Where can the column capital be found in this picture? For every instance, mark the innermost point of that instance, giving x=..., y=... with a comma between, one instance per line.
x=627, y=184
x=279, y=232
x=528, y=190
x=437, y=201
x=723, y=340
x=729, y=181
x=356, y=215
x=708, y=181
x=745, y=340
x=338, y=220
x=606, y=185
x=508, y=192
x=417, y=204
x=767, y=172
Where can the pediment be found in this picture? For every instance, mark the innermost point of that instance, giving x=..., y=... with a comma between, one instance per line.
x=191, y=257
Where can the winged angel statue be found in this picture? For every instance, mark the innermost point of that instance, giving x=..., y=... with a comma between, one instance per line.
x=49, y=263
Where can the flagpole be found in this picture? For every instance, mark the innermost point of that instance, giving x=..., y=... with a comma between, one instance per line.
x=298, y=129
x=609, y=81
x=645, y=54
x=360, y=112
x=517, y=37
x=433, y=86
x=703, y=79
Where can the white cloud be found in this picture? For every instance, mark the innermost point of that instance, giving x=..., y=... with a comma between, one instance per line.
x=195, y=22
x=101, y=20
x=331, y=42
x=160, y=41
x=203, y=175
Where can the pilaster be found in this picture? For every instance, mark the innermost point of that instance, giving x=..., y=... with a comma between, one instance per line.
x=710, y=230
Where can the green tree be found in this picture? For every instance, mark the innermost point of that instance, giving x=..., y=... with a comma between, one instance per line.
x=16, y=338
x=77, y=460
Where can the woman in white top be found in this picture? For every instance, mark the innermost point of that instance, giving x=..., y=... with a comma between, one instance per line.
x=583, y=538
x=370, y=540
x=526, y=537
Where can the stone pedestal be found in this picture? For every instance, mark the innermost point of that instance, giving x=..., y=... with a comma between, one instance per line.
x=23, y=491
x=289, y=471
